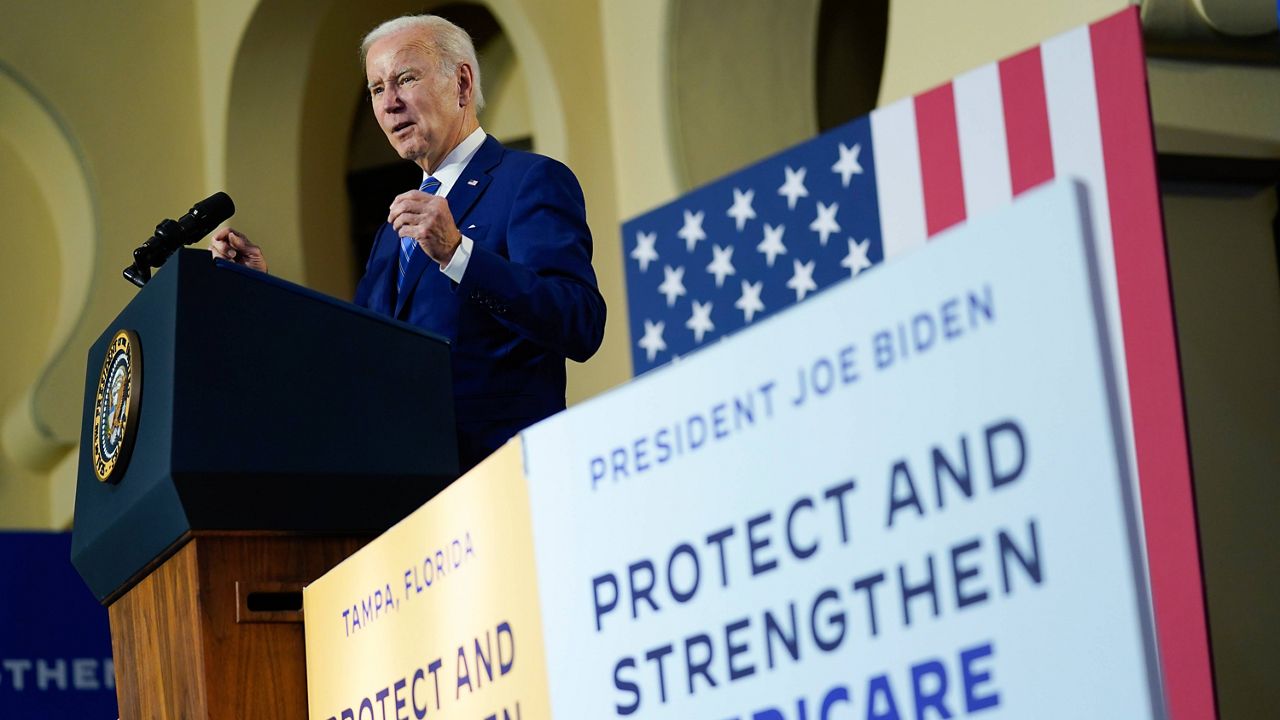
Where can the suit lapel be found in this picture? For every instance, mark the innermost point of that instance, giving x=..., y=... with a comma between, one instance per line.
x=474, y=179
x=470, y=186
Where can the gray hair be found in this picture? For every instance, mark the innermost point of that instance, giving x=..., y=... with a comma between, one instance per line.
x=452, y=44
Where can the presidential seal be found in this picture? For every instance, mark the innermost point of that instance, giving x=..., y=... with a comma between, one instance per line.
x=116, y=406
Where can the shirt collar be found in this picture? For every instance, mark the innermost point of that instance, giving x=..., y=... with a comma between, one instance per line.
x=456, y=161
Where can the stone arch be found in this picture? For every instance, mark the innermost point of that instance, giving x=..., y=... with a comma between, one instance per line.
x=52, y=163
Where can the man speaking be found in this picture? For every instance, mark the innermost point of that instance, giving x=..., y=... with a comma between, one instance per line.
x=492, y=251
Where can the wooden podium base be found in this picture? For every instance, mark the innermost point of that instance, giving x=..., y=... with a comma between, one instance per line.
x=215, y=631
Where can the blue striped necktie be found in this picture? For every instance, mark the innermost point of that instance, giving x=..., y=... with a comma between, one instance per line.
x=429, y=186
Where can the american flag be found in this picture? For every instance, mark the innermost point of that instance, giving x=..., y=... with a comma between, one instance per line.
x=743, y=247
x=735, y=251
x=766, y=237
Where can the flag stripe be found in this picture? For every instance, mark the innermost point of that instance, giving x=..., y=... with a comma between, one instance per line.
x=1026, y=120
x=897, y=162
x=1070, y=95
x=980, y=127
x=940, y=176
x=1154, y=379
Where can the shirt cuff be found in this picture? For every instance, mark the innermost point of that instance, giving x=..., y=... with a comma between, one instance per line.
x=458, y=264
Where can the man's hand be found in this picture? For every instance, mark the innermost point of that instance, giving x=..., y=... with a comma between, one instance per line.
x=427, y=220
x=232, y=245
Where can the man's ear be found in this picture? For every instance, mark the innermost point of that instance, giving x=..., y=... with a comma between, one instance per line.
x=466, y=85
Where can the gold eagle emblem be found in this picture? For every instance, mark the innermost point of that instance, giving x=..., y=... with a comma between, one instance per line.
x=116, y=406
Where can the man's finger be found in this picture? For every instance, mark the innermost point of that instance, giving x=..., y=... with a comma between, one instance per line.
x=409, y=229
x=399, y=208
x=408, y=218
x=219, y=247
x=424, y=226
x=400, y=204
x=413, y=200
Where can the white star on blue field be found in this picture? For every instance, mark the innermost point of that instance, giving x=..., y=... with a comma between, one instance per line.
x=752, y=243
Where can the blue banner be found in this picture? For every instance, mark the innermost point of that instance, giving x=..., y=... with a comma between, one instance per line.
x=55, y=645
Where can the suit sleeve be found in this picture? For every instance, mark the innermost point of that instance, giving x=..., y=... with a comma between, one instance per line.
x=545, y=289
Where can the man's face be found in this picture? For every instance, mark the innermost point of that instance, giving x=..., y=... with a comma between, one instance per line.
x=417, y=107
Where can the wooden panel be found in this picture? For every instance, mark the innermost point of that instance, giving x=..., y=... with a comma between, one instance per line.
x=260, y=668
x=251, y=606
x=156, y=642
x=180, y=652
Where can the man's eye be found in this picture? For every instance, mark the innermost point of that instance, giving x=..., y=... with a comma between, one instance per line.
x=375, y=92
x=406, y=79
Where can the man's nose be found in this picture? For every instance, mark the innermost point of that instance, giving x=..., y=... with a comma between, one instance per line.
x=389, y=99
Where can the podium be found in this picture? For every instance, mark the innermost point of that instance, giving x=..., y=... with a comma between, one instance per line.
x=241, y=436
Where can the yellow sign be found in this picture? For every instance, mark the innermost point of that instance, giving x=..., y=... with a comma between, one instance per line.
x=441, y=611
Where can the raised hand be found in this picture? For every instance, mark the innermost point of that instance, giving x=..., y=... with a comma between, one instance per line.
x=426, y=219
x=231, y=244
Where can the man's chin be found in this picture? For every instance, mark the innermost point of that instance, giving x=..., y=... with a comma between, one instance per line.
x=412, y=153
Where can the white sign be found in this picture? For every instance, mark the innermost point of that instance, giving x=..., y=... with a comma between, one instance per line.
x=904, y=498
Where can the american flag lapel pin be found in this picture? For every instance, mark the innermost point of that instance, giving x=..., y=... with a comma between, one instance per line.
x=473, y=183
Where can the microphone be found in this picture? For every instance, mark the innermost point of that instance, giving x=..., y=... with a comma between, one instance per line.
x=170, y=235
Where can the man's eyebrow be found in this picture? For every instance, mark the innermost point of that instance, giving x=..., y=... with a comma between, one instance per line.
x=399, y=71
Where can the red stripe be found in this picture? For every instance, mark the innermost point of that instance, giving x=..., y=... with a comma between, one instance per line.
x=1155, y=389
x=1026, y=120
x=939, y=142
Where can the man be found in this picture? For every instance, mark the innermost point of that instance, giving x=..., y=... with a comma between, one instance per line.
x=492, y=252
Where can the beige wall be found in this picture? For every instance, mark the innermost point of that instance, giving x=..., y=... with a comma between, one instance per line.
x=930, y=42
x=28, y=297
x=119, y=141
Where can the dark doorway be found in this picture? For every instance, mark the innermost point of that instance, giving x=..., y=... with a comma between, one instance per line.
x=850, y=59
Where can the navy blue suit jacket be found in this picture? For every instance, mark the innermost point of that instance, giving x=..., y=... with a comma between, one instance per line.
x=527, y=301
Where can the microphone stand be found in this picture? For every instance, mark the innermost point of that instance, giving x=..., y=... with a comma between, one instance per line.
x=155, y=251
x=173, y=234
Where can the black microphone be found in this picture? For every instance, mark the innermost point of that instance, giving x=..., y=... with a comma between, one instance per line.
x=170, y=235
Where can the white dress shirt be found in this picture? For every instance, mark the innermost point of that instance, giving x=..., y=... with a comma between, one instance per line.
x=447, y=173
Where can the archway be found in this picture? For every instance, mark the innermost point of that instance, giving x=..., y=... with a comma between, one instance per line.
x=48, y=199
